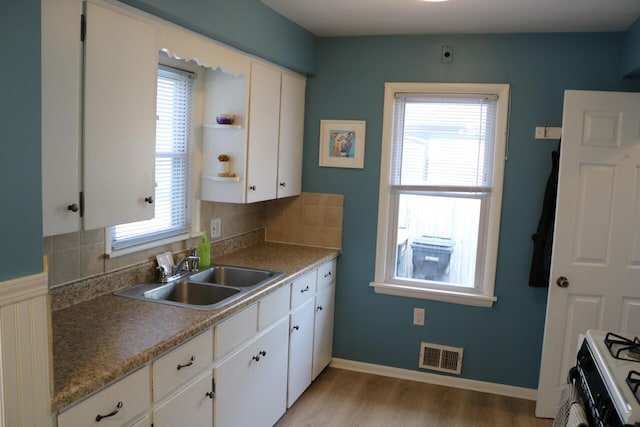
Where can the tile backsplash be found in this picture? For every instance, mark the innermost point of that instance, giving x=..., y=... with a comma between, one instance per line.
x=310, y=219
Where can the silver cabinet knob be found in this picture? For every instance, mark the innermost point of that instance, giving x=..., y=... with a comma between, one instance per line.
x=562, y=282
x=73, y=207
x=148, y=199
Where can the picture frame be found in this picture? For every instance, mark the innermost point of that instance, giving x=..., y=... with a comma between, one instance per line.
x=342, y=143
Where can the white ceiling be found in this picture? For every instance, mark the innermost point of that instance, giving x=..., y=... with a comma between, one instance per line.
x=384, y=17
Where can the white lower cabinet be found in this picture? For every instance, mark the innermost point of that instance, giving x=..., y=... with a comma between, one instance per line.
x=192, y=406
x=300, y=351
x=145, y=422
x=323, y=326
x=245, y=371
x=116, y=405
x=251, y=385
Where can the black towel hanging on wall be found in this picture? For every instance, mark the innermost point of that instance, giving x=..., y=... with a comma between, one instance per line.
x=543, y=237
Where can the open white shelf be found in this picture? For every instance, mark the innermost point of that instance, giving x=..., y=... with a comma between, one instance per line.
x=222, y=178
x=217, y=126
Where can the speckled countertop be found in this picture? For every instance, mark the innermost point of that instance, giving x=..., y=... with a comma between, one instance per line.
x=100, y=340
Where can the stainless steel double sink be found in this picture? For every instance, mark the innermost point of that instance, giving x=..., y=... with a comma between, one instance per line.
x=205, y=290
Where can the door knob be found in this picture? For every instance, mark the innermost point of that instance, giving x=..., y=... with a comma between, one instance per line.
x=562, y=282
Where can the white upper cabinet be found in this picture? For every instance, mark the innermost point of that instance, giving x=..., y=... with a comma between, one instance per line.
x=264, y=113
x=120, y=74
x=61, y=86
x=292, y=94
x=106, y=151
x=265, y=140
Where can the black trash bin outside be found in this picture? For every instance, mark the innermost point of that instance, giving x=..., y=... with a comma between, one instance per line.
x=431, y=257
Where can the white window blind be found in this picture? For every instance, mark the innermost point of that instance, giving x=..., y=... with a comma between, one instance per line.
x=443, y=143
x=173, y=163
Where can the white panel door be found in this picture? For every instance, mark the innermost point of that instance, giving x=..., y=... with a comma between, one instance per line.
x=596, y=252
x=251, y=386
x=264, y=113
x=323, y=329
x=300, y=351
x=192, y=406
x=61, y=86
x=121, y=68
x=291, y=132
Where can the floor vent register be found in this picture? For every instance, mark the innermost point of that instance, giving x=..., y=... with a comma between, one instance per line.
x=440, y=358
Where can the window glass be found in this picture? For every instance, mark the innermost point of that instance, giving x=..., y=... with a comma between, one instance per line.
x=172, y=168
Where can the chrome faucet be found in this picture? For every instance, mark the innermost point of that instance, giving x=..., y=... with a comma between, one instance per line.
x=184, y=262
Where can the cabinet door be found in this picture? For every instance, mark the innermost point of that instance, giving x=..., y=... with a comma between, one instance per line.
x=251, y=386
x=264, y=113
x=61, y=84
x=323, y=329
x=300, y=351
x=189, y=407
x=291, y=131
x=120, y=74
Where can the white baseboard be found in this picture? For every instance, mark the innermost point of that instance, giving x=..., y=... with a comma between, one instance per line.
x=425, y=377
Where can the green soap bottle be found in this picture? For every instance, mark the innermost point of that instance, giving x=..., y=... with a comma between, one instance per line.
x=204, y=252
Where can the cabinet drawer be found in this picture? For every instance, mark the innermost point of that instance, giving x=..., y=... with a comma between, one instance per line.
x=326, y=274
x=303, y=288
x=133, y=391
x=181, y=364
x=273, y=307
x=234, y=331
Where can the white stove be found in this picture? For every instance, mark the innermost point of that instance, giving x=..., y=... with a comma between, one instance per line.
x=609, y=366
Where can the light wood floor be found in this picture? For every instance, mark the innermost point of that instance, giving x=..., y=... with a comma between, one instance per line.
x=345, y=398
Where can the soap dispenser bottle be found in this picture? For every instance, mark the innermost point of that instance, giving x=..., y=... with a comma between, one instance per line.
x=204, y=251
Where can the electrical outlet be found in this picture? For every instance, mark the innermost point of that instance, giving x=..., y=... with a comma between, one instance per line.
x=216, y=228
x=447, y=55
x=418, y=316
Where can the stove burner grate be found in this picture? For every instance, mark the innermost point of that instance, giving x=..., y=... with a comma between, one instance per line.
x=633, y=380
x=623, y=348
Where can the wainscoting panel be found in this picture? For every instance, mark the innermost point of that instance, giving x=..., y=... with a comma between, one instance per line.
x=25, y=352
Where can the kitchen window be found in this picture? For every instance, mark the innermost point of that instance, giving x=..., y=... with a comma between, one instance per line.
x=172, y=168
x=441, y=191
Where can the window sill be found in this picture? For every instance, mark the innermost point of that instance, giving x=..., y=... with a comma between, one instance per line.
x=111, y=253
x=457, y=297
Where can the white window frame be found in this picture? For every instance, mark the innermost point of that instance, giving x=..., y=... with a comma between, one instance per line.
x=385, y=281
x=196, y=122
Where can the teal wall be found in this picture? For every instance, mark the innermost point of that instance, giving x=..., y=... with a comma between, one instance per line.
x=20, y=215
x=630, y=66
x=248, y=25
x=501, y=344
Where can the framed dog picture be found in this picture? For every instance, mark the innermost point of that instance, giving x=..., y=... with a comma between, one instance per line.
x=342, y=143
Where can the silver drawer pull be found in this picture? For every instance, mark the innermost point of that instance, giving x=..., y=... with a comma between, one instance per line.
x=296, y=327
x=302, y=291
x=327, y=275
x=319, y=308
x=110, y=414
x=193, y=358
